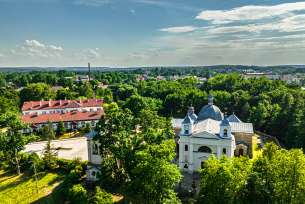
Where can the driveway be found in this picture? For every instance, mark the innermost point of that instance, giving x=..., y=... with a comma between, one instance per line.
x=77, y=148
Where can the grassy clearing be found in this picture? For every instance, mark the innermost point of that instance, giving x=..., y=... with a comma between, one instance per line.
x=257, y=149
x=22, y=189
x=72, y=134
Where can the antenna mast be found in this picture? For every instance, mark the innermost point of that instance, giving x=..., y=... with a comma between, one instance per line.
x=89, y=72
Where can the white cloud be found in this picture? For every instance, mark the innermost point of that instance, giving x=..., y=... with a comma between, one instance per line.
x=33, y=48
x=33, y=43
x=52, y=47
x=290, y=24
x=182, y=29
x=91, y=2
x=249, y=13
x=135, y=55
x=87, y=54
x=2, y=56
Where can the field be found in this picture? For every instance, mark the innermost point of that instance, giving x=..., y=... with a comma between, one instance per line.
x=22, y=189
x=257, y=149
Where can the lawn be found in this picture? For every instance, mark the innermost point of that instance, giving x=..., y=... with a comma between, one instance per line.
x=22, y=189
x=72, y=134
x=257, y=149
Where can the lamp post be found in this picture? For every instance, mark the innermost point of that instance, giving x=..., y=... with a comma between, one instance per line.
x=35, y=174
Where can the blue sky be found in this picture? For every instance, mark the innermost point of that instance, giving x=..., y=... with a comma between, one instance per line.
x=134, y=33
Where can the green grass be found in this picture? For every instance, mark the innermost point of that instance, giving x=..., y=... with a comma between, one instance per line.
x=67, y=135
x=257, y=149
x=22, y=189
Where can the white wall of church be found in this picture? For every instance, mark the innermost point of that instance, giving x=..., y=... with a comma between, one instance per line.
x=192, y=158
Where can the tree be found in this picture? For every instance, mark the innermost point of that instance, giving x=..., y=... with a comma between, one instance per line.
x=288, y=176
x=13, y=141
x=48, y=131
x=61, y=129
x=35, y=92
x=101, y=197
x=155, y=185
x=218, y=182
x=7, y=105
x=78, y=195
x=86, y=90
x=116, y=147
x=254, y=191
x=49, y=153
x=88, y=128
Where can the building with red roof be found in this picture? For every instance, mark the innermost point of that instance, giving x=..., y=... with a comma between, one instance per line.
x=74, y=113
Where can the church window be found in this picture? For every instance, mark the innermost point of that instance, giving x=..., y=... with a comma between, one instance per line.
x=186, y=158
x=93, y=173
x=186, y=129
x=186, y=148
x=185, y=166
x=225, y=131
x=205, y=149
x=224, y=151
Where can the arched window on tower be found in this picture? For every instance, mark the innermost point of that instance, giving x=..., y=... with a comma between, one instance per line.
x=205, y=149
x=186, y=148
x=225, y=132
x=224, y=151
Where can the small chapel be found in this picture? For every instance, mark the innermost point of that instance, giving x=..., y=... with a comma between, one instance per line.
x=211, y=132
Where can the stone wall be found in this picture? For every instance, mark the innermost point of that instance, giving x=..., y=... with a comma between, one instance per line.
x=243, y=147
x=247, y=138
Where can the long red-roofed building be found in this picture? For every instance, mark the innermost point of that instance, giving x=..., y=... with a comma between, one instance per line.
x=74, y=113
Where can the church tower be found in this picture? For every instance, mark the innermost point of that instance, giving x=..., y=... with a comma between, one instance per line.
x=187, y=125
x=225, y=128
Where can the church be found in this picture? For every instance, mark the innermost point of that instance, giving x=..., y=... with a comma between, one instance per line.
x=211, y=132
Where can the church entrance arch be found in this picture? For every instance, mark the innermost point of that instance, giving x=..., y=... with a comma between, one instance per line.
x=241, y=152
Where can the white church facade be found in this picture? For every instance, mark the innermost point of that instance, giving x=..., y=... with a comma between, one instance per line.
x=211, y=132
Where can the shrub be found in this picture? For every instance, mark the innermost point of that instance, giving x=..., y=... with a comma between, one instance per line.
x=77, y=195
x=71, y=179
x=101, y=197
x=38, y=162
x=88, y=128
x=24, y=161
x=81, y=129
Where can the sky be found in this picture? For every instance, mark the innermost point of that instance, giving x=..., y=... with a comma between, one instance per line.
x=139, y=33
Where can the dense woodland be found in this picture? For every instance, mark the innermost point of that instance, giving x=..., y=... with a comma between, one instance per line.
x=274, y=107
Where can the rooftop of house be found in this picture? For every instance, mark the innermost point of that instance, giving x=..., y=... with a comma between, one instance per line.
x=61, y=104
x=65, y=117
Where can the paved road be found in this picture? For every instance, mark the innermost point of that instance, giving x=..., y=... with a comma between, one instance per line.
x=78, y=145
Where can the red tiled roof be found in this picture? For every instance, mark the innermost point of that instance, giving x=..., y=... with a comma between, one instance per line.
x=65, y=117
x=56, y=104
x=74, y=105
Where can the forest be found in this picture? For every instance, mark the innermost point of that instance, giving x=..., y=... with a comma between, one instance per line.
x=273, y=106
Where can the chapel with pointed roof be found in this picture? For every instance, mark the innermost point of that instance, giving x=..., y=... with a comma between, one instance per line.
x=211, y=132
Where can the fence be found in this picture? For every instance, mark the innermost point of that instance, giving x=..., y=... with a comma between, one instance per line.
x=269, y=137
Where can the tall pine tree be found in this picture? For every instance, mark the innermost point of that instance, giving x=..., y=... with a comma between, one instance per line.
x=61, y=129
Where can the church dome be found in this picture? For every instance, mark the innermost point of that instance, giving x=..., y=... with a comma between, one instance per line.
x=210, y=111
